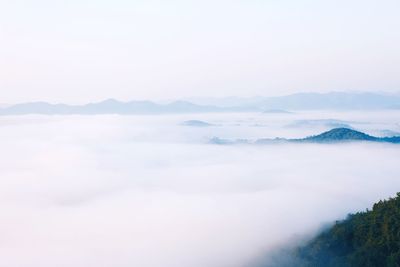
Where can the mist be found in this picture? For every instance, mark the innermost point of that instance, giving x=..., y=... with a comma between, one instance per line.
x=116, y=191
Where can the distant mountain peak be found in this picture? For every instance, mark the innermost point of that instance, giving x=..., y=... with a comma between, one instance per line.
x=110, y=101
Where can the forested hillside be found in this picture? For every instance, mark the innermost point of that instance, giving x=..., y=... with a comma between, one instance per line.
x=365, y=239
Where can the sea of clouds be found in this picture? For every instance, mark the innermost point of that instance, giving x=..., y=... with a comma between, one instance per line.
x=119, y=191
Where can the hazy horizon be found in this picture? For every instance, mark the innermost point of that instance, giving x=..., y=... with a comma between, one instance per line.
x=193, y=98
x=293, y=123
x=81, y=51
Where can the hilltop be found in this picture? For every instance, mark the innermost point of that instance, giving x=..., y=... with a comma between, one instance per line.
x=336, y=135
x=346, y=135
x=340, y=135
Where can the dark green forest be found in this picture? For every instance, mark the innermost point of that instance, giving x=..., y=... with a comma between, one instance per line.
x=364, y=239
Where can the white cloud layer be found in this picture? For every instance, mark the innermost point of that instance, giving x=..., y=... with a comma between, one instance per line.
x=116, y=191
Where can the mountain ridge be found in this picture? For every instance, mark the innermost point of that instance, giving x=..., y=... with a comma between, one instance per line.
x=310, y=101
x=284, y=104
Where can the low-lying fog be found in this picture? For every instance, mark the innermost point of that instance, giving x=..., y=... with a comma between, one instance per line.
x=119, y=191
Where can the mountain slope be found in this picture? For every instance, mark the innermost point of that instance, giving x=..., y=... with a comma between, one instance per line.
x=365, y=239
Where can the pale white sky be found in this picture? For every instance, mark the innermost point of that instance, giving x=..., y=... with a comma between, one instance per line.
x=88, y=50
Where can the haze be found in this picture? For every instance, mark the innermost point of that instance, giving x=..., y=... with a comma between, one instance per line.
x=114, y=191
x=93, y=177
x=82, y=51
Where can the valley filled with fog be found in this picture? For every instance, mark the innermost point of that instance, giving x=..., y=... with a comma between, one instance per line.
x=152, y=191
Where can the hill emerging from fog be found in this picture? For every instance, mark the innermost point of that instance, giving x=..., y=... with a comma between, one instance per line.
x=364, y=239
x=346, y=135
x=336, y=135
x=282, y=104
x=339, y=135
x=196, y=123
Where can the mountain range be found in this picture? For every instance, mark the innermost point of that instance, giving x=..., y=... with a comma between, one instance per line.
x=309, y=101
x=110, y=106
x=301, y=101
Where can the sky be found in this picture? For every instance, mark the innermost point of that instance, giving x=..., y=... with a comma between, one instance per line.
x=87, y=50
